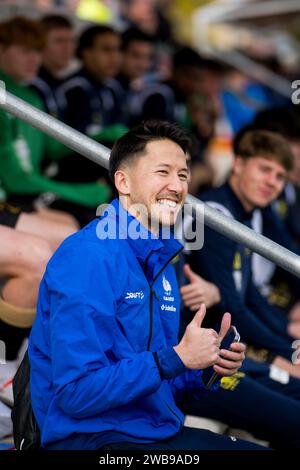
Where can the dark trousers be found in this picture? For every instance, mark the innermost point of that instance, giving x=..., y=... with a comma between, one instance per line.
x=260, y=405
x=186, y=439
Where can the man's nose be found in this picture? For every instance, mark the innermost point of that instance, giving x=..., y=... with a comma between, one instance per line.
x=175, y=184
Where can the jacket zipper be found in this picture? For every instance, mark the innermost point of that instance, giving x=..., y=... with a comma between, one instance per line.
x=173, y=413
x=152, y=292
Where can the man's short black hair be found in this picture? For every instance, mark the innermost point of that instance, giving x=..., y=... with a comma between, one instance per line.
x=133, y=143
x=251, y=142
x=188, y=57
x=87, y=38
x=135, y=34
x=50, y=22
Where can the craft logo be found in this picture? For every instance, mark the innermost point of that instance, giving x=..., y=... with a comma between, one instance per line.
x=134, y=295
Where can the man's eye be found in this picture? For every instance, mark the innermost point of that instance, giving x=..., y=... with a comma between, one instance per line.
x=183, y=177
x=265, y=169
x=162, y=172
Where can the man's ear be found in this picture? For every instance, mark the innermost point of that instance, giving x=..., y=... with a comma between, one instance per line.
x=238, y=165
x=122, y=182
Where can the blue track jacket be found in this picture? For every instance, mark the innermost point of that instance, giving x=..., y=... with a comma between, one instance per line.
x=101, y=348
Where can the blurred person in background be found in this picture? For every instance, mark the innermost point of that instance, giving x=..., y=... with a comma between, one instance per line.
x=57, y=56
x=243, y=401
x=23, y=259
x=23, y=147
x=262, y=163
x=29, y=234
x=191, y=98
x=27, y=241
x=281, y=287
x=138, y=50
x=286, y=122
x=92, y=100
x=147, y=16
x=243, y=98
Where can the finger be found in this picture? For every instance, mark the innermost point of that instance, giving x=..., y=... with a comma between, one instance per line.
x=225, y=325
x=224, y=372
x=196, y=307
x=193, y=298
x=228, y=364
x=232, y=356
x=185, y=290
x=189, y=273
x=238, y=347
x=198, y=318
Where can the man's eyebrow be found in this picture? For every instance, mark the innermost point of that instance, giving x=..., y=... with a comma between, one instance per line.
x=166, y=165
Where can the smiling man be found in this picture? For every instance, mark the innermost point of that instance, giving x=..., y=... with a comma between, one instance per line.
x=262, y=162
x=106, y=366
x=153, y=189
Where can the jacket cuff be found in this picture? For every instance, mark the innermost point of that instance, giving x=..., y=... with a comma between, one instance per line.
x=168, y=363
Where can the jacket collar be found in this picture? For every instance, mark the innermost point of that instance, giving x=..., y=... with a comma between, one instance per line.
x=152, y=252
x=47, y=76
x=240, y=212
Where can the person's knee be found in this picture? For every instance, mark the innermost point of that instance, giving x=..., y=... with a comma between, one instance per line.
x=71, y=222
x=42, y=252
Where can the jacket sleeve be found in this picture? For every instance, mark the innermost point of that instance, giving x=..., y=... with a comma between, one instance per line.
x=94, y=370
x=273, y=318
x=76, y=111
x=214, y=261
x=189, y=384
x=276, y=229
x=17, y=181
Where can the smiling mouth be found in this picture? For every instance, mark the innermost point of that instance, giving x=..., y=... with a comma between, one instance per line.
x=266, y=192
x=167, y=203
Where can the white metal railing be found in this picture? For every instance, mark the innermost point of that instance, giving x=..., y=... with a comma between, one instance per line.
x=100, y=155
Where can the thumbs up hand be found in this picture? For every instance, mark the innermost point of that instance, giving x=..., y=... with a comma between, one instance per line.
x=198, y=291
x=199, y=347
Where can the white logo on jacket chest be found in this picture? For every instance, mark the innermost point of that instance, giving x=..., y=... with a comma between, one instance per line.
x=135, y=295
x=168, y=290
x=168, y=308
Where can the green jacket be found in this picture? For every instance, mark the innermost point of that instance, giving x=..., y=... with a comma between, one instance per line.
x=22, y=148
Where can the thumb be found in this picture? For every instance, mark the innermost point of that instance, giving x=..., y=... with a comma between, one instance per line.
x=198, y=318
x=189, y=273
x=225, y=325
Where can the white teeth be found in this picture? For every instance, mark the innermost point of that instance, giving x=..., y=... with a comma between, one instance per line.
x=167, y=202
